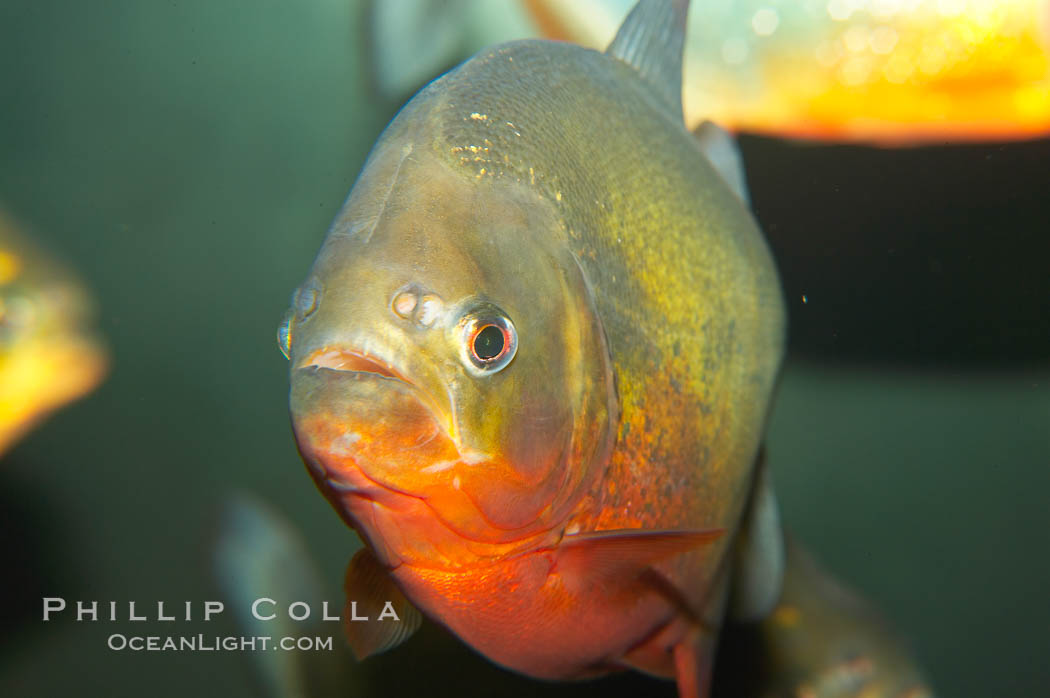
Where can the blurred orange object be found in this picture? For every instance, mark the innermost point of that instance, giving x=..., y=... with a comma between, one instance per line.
x=49, y=355
x=890, y=72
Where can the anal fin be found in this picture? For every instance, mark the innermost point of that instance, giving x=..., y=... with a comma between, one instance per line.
x=371, y=594
x=693, y=659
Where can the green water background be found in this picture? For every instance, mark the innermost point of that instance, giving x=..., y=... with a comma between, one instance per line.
x=187, y=158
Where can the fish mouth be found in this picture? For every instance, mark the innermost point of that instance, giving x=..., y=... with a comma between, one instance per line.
x=344, y=363
x=348, y=360
x=339, y=395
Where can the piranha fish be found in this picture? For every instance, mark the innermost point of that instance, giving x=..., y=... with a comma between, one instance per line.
x=533, y=362
x=49, y=354
x=882, y=71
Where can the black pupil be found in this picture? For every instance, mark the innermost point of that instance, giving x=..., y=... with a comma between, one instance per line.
x=488, y=344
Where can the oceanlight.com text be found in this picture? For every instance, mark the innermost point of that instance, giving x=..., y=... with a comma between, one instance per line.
x=215, y=643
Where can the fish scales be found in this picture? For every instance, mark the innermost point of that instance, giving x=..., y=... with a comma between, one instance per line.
x=681, y=277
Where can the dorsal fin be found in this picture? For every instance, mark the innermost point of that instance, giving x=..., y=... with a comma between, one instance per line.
x=651, y=39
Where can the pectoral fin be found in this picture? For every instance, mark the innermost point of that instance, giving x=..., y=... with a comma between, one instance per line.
x=371, y=595
x=613, y=556
x=759, y=563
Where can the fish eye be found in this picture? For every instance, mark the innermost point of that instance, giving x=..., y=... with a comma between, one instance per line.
x=489, y=340
x=284, y=334
x=489, y=343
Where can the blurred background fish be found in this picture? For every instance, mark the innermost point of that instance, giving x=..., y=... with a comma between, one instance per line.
x=258, y=554
x=821, y=641
x=50, y=353
x=882, y=71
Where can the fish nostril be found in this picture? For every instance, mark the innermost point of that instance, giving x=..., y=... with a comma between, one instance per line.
x=429, y=308
x=411, y=303
x=404, y=303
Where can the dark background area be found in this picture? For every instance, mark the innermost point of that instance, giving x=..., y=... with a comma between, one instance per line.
x=931, y=257
x=186, y=157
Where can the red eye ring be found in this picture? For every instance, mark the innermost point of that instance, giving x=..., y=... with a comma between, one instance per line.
x=489, y=340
